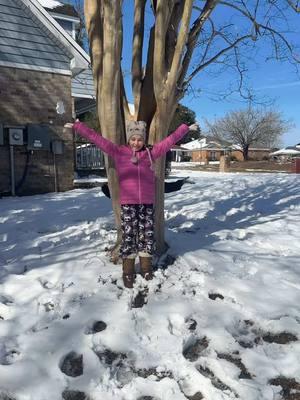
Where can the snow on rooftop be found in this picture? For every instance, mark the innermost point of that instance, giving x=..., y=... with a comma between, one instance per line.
x=195, y=144
x=286, y=151
x=50, y=3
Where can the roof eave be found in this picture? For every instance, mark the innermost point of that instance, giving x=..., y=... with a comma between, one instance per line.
x=64, y=17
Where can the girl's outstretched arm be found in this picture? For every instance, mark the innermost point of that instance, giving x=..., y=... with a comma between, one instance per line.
x=161, y=148
x=104, y=144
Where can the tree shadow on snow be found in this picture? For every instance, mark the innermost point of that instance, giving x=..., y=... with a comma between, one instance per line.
x=51, y=225
x=248, y=207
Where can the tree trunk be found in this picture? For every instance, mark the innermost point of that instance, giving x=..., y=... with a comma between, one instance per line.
x=161, y=245
x=154, y=89
x=158, y=130
x=104, y=26
x=245, y=152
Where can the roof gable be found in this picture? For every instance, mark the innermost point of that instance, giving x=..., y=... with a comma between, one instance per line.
x=25, y=44
x=80, y=59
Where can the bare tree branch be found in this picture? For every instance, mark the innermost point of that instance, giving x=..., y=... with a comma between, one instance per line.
x=193, y=36
x=181, y=41
x=214, y=58
x=285, y=41
x=259, y=29
x=295, y=7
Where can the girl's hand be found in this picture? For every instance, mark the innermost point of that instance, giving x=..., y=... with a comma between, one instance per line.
x=194, y=127
x=71, y=124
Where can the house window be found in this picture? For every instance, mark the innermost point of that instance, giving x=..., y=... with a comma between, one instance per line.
x=68, y=26
x=213, y=156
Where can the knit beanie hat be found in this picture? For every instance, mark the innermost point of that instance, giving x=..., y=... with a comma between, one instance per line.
x=135, y=128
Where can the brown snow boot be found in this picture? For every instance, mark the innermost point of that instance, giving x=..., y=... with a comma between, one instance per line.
x=128, y=272
x=146, y=268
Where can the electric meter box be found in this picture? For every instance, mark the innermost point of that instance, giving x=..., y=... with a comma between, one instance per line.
x=16, y=136
x=38, y=137
x=1, y=135
x=57, y=147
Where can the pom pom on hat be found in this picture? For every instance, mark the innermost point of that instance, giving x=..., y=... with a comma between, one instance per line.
x=135, y=128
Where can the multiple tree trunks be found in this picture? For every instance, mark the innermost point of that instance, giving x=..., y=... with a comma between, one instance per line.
x=159, y=85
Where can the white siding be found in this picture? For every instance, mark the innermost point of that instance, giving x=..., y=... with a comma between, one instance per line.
x=83, y=85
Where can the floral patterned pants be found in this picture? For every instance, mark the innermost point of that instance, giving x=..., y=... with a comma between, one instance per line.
x=137, y=222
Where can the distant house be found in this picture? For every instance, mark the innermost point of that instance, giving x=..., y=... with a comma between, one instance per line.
x=254, y=153
x=41, y=81
x=207, y=150
x=204, y=150
x=179, y=154
x=287, y=153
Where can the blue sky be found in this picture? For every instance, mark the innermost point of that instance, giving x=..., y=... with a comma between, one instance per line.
x=276, y=81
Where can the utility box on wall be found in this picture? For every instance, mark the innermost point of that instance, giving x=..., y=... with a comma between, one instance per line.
x=38, y=137
x=57, y=147
x=16, y=136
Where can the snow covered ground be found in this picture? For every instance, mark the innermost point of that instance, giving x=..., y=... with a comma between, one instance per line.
x=221, y=319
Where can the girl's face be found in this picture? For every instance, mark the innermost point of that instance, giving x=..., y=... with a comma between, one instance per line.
x=136, y=142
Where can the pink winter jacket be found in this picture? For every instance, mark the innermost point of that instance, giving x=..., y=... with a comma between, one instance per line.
x=137, y=181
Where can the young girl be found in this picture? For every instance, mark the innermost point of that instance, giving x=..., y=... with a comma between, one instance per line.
x=135, y=170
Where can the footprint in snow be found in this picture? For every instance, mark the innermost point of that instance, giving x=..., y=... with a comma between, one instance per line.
x=5, y=396
x=248, y=335
x=45, y=283
x=214, y=296
x=279, y=338
x=72, y=364
x=147, y=398
x=6, y=300
x=194, y=347
x=216, y=382
x=191, y=324
x=95, y=327
x=196, y=396
x=140, y=299
x=166, y=261
x=236, y=360
x=73, y=395
x=9, y=355
x=290, y=387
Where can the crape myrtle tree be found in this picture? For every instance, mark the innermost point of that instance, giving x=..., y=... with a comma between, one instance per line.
x=184, y=38
x=249, y=127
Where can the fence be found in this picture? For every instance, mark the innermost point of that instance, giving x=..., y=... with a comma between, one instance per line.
x=88, y=156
